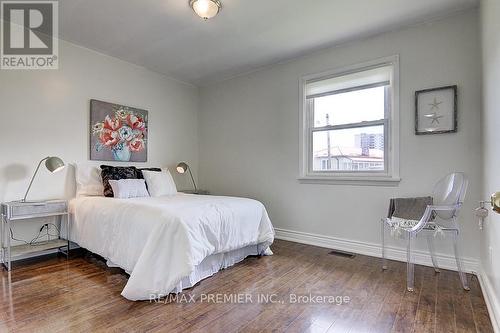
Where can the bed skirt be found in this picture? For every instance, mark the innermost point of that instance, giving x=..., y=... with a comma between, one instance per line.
x=214, y=263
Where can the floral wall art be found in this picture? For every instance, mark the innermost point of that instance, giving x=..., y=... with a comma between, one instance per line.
x=118, y=132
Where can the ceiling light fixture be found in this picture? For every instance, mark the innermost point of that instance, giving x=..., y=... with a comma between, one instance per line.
x=206, y=8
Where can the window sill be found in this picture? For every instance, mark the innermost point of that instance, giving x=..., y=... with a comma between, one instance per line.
x=360, y=181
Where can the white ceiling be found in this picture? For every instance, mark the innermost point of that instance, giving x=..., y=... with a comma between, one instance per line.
x=167, y=37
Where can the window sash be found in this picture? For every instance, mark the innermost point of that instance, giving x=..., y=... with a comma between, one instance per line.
x=381, y=122
x=337, y=172
x=350, y=125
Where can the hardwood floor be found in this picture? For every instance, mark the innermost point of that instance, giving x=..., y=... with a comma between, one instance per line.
x=83, y=295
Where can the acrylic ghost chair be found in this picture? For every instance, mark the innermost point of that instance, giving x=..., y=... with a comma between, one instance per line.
x=448, y=196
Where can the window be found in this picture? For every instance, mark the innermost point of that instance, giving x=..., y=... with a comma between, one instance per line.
x=349, y=124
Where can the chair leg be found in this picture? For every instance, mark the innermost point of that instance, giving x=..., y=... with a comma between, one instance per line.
x=382, y=229
x=430, y=243
x=410, y=274
x=463, y=276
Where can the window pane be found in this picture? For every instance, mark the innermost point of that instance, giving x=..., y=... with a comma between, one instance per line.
x=350, y=107
x=353, y=149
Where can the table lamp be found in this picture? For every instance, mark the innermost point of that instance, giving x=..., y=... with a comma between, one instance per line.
x=182, y=168
x=52, y=163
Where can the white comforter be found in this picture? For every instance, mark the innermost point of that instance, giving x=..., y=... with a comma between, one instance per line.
x=159, y=241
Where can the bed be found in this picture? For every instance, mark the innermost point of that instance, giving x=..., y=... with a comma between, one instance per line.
x=170, y=243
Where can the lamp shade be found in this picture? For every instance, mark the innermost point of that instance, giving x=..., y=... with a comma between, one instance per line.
x=182, y=167
x=54, y=164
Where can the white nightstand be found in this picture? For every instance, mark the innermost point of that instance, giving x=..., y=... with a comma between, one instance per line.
x=16, y=211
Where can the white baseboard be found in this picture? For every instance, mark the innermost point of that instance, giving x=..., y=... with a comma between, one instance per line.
x=471, y=265
x=492, y=300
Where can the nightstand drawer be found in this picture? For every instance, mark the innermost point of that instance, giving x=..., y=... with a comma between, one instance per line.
x=20, y=210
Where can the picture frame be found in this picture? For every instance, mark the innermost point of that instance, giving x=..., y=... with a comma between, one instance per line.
x=118, y=132
x=436, y=110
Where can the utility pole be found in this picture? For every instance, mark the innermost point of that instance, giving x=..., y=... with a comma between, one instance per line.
x=329, y=161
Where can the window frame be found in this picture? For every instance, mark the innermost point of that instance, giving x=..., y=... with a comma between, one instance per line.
x=390, y=175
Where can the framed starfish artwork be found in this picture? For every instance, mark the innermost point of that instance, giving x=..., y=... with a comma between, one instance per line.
x=436, y=110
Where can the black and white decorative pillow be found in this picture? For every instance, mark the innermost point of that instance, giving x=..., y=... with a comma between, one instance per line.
x=109, y=172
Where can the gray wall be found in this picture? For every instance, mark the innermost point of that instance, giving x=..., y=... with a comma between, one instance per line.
x=47, y=113
x=490, y=241
x=249, y=133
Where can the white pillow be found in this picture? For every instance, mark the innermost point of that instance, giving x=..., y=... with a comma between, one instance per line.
x=129, y=188
x=88, y=181
x=159, y=183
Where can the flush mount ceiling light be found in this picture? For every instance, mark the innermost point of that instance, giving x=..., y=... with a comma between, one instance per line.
x=206, y=8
